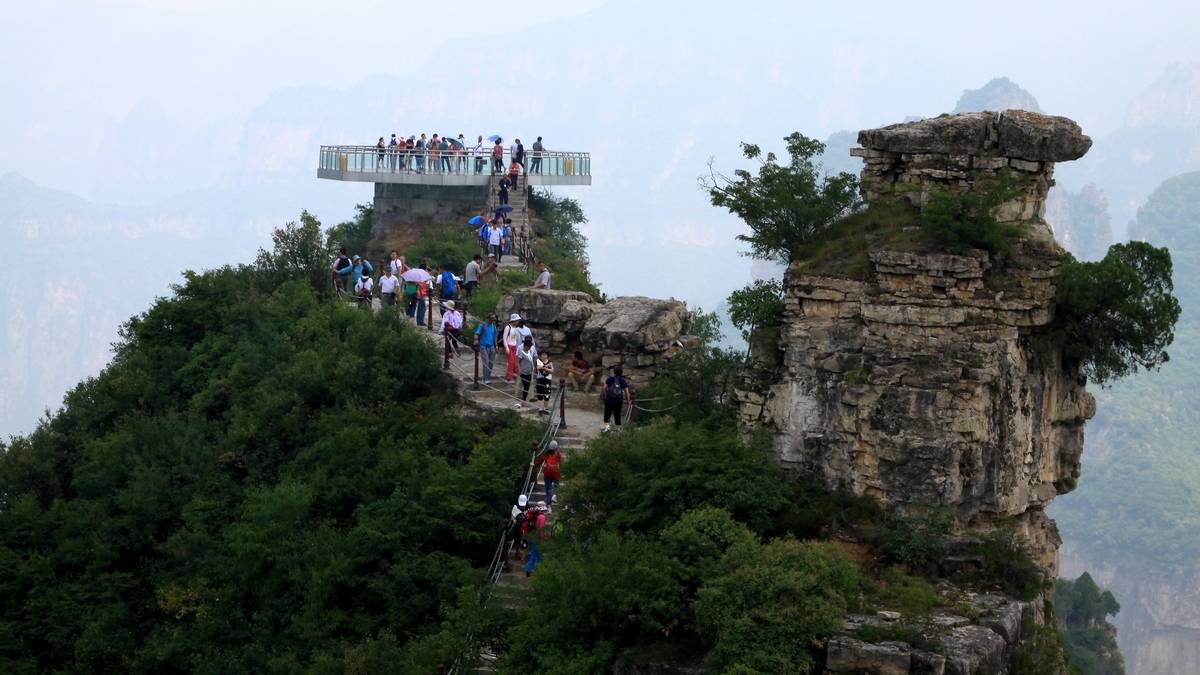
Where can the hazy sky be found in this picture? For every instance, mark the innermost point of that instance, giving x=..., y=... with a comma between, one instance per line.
x=205, y=115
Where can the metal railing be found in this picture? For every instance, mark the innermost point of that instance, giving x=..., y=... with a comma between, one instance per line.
x=456, y=161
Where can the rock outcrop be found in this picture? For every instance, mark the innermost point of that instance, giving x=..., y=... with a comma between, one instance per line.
x=920, y=385
x=634, y=332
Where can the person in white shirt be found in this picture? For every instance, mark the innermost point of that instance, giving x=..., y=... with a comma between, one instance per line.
x=451, y=325
x=363, y=289
x=388, y=285
x=480, y=157
x=527, y=358
x=496, y=240
x=396, y=263
x=543, y=277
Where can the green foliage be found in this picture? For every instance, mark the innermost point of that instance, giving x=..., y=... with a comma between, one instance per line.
x=298, y=253
x=1042, y=650
x=903, y=593
x=759, y=305
x=917, y=541
x=899, y=632
x=957, y=222
x=560, y=220
x=259, y=481
x=353, y=234
x=590, y=603
x=786, y=205
x=815, y=512
x=704, y=325
x=1007, y=563
x=772, y=602
x=699, y=539
x=1117, y=315
x=645, y=478
x=449, y=245
x=696, y=385
x=1083, y=608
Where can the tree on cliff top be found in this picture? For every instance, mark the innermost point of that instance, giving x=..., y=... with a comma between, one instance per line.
x=787, y=205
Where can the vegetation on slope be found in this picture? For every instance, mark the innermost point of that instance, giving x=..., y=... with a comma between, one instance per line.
x=259, y=481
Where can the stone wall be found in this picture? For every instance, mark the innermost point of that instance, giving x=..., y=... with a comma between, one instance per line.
x=403, y=213
x=634, y=332
x=921, y=385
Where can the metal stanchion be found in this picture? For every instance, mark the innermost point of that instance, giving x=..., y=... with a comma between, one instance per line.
x=562, y=403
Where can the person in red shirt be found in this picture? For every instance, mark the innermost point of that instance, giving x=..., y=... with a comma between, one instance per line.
x=537, y=528
x=549, y=461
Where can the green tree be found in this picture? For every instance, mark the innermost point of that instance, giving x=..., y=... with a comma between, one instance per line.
x=759, y=305
x=960, y=221
x=788, y=206
x=355, y=234
x=772, y=603
x=1116, y=315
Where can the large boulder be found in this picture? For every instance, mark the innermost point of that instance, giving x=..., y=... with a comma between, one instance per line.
x=1014, y=133
x=568, y=311
x=635, y=324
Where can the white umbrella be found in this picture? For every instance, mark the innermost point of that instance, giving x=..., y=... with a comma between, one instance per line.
x=416, y=275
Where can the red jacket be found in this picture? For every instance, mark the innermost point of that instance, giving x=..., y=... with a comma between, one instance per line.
x=551, y=461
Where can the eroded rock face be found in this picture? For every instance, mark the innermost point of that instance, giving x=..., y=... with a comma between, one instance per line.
x=637, y=333
x=921, y=385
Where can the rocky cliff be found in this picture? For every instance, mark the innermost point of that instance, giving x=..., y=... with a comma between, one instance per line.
x=919, y=384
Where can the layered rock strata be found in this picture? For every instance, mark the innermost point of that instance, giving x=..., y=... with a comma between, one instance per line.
x=637, y=333
x=921, y=385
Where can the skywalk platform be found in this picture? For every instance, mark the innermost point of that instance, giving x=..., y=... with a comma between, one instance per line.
x=461, y=168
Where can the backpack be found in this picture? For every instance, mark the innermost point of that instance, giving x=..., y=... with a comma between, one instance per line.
x=410, y=289
x=519, y=521
x=342, y=262
x=615, y=389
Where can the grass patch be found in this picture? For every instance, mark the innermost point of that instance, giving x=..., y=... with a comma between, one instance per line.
x=898, y=632
x=843, y=251
x=901, y=592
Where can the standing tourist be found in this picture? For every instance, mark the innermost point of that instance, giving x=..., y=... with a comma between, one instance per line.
x=451, y=325
x=535, y=166
x=616, y=392
x=382, y=154
x=543, y=277
x=396, y=263
x=512, y=340
x=446, y=283
x=485, y=339
x=502, y=192
x=388, y=284
x=527, y=360
x=519, y=154
x=480, y=157
x=545, y=380
x=444, y=149
x=340, y=263
x=355, y=271
x=471, y=275
x=496, y=240
x=498, y=157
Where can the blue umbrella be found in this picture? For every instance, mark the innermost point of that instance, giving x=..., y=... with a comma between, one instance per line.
x=503, y=208
x=477, y=220
x=493, y=138
x=454, y=141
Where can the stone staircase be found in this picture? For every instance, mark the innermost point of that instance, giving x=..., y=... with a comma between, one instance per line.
x=518, y=198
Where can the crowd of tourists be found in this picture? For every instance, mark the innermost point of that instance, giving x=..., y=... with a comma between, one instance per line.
x=447, y=154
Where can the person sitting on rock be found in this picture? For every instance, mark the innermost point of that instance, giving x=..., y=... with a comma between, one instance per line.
x=581, y=374
x=543, y=277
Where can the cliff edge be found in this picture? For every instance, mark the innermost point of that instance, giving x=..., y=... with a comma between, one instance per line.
x=918, y=382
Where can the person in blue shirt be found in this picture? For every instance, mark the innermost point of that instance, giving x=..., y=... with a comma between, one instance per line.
x=485, y=340
x=355, y=270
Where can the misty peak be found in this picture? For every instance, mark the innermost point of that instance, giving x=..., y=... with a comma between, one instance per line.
x=1171, y=101
x=999, y=94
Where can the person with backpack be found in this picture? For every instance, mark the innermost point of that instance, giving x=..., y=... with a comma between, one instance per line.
x=549, y=462
x=517, y=524
x=545, y=381
x=363, y=289
x=447, y=283
x=616, y=392
x=485, y=342
x=512, y=340
x=340, y=263
x=506, y=234
x=537, y=533
x=355, y=270
x=502, y=192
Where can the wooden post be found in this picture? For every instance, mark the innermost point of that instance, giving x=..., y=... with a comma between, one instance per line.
x=562, y=403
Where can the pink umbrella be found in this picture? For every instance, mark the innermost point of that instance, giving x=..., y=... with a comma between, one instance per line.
x=416, y=275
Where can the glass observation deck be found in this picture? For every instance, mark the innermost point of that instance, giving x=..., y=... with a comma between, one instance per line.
x=371, y=164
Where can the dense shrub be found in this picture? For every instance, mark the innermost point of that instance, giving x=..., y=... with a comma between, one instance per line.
x=759, y=305
x=1083, y=609
x=771, y=603
x=957, y=222
x=260, y=481
x=1117, y=315
x=917, y=541
x=645, y=478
